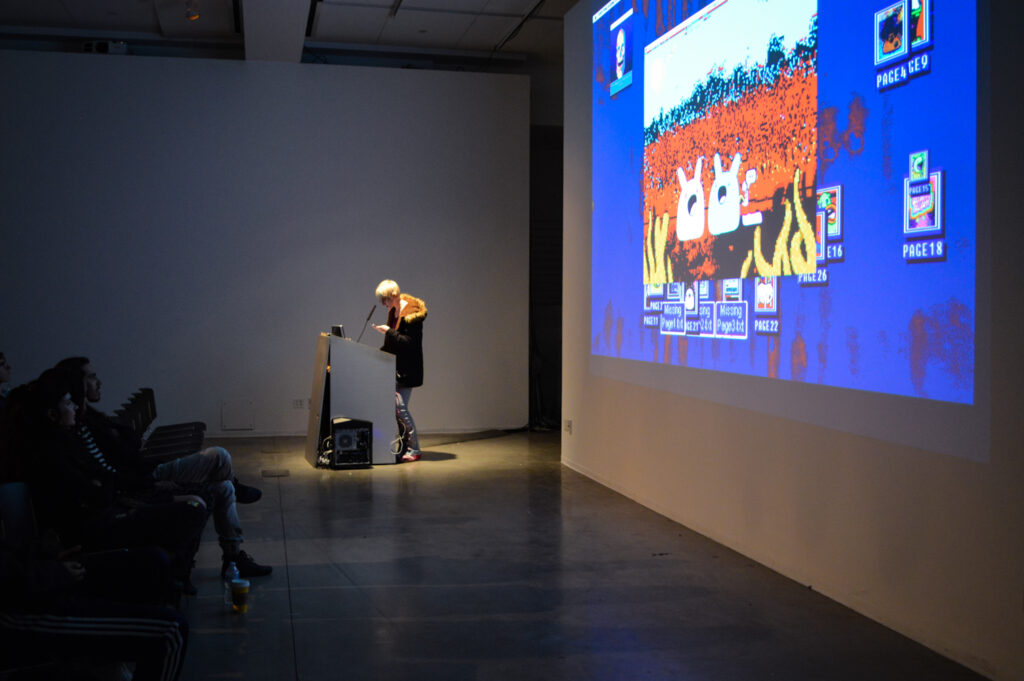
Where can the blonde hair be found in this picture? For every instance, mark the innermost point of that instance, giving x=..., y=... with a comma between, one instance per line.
x=387, y=289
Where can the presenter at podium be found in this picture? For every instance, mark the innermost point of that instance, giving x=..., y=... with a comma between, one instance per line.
x=403, y=338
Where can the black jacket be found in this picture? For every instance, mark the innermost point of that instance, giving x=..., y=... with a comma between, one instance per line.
x=404, y=340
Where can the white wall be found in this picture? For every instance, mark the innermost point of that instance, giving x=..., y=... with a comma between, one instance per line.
x=193, y=225
x=928, y=544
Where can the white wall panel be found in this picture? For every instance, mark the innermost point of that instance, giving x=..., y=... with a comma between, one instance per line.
x=193, y=225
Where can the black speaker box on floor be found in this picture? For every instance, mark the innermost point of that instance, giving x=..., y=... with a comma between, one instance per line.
x=353, y=443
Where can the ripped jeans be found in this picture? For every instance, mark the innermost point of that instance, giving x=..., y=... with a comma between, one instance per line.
x=410, y=439
x=211, y=470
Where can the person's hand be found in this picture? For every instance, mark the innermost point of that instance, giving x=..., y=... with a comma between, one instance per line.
x=191, y=499
x=75, y=569
x=381, y=327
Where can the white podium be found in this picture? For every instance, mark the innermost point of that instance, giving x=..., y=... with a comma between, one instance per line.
x=354, y=381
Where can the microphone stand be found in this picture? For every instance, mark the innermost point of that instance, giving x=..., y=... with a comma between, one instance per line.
x=372, y=310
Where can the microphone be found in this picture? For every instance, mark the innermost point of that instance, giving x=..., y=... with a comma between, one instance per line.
x=372, y=310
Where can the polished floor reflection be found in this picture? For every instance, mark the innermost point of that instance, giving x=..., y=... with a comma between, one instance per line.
x=489, y=560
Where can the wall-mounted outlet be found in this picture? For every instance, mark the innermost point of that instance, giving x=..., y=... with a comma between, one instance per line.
x=568, y=426
x=299, y=403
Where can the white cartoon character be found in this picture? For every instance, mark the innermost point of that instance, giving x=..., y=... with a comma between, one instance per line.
x=724, y=200
x=690, y=211
x=690, y=300
x=620, y=54
x=765, y=294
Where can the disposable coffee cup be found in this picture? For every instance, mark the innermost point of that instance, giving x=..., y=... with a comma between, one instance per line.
x=240, y=595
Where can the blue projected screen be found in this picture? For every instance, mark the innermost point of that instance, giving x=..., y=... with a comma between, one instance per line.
x=787, y=189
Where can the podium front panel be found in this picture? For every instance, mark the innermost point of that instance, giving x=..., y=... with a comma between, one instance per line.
x=363, y=387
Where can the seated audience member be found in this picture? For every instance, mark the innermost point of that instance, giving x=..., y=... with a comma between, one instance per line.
x=209, y=471
x=84, y=502
x=95, y=609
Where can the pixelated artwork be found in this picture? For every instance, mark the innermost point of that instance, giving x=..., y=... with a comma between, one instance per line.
x=730, y=145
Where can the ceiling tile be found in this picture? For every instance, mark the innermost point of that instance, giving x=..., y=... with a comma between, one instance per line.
x=418, y=28
x=486, y=32
x=516, y=7
x=348, y=23
x=461, y=6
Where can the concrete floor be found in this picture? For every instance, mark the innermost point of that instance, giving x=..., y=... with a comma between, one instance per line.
x=489, y=560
